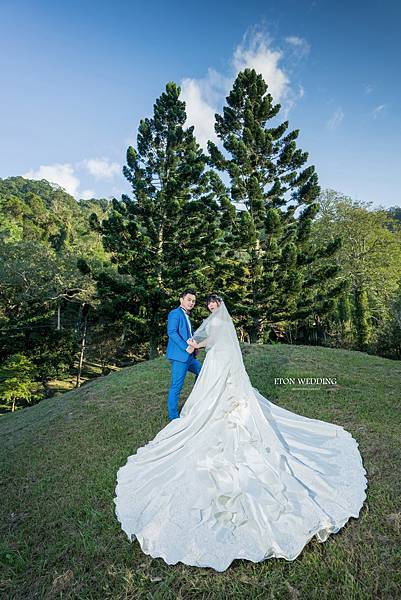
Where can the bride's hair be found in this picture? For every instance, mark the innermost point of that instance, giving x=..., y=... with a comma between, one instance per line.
x=213, y=298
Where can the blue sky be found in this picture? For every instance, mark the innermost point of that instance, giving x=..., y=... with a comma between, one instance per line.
x=76, y=77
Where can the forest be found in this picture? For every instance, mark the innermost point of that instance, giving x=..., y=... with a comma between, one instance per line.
x=86, y=285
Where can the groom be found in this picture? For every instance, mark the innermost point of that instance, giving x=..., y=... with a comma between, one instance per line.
x=179, y=353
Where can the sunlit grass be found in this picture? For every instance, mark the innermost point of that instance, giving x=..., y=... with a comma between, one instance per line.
x=59, y=534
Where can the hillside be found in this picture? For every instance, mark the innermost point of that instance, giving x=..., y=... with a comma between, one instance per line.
x=59, y=535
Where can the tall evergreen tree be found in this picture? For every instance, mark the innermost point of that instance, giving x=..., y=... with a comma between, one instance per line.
x=167, y=235
x=264, y=167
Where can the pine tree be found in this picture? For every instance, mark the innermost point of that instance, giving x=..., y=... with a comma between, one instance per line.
x=166, y=237
x=264, y=167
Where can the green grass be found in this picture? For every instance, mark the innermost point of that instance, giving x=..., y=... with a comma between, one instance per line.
x=59, y=534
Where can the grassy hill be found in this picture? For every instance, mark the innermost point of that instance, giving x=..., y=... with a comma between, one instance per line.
x=60, y=537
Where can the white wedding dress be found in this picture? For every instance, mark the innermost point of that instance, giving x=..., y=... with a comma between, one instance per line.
x=236, y=476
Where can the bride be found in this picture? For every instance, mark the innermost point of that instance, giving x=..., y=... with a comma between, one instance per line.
x=236, y=476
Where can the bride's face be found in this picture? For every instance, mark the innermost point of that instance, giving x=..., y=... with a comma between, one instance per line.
x=213, y=305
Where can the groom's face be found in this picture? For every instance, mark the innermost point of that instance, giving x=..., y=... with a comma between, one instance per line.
x=188, y=301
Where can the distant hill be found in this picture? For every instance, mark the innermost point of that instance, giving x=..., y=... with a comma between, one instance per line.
x=59, y=458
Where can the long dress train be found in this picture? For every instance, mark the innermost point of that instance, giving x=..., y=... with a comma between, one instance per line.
x=237, y=476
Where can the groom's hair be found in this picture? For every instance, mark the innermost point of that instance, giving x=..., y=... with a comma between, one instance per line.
x=188, y=291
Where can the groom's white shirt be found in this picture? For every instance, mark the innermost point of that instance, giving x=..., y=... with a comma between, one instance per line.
x=188, y=321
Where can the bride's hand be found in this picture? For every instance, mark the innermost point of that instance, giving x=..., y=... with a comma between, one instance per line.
x=191, y=342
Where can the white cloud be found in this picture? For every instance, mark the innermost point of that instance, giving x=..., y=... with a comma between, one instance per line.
x=101, y=168
x=256, y=53
x=202, y=98
x=378, y=110
x=62, y=174
x=199, y=112
x=368, y=88
x=205, y=96
x=335, y=119
x=301, y=46
x=87, y=194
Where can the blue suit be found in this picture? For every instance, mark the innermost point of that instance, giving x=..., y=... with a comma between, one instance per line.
x=181, y=361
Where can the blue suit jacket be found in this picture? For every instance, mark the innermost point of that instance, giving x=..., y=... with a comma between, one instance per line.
x=178, y=333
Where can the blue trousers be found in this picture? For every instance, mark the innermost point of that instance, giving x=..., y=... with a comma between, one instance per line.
x=178, y=373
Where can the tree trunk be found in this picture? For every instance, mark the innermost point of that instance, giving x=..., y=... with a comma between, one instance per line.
x=123, y=334
x=159, y=251
x=82, y=352
x=256, y=331
x=58, y=317
x=153, y=344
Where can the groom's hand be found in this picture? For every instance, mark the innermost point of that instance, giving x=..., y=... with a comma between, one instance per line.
x=190, y=349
